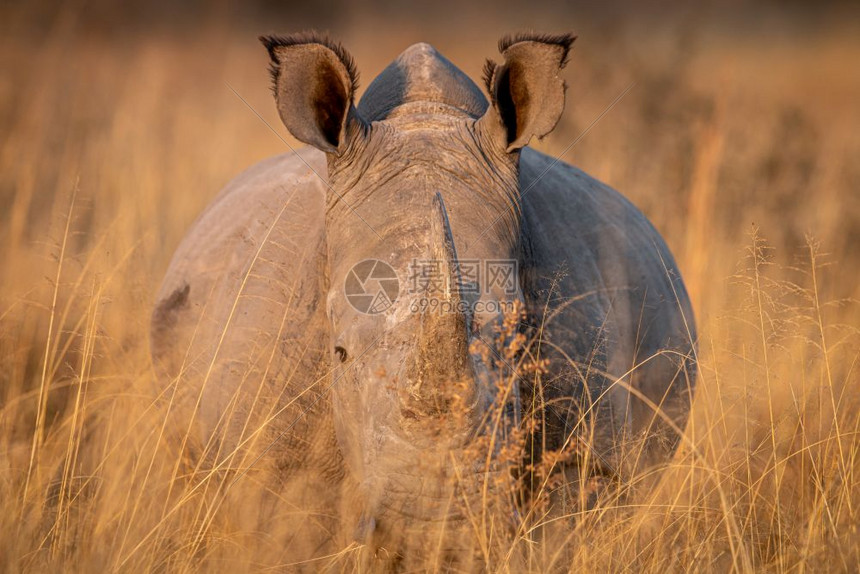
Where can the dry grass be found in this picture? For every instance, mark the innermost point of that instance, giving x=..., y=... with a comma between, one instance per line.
x=119, y=127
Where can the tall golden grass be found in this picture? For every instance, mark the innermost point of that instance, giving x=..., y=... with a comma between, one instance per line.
x=739, y=145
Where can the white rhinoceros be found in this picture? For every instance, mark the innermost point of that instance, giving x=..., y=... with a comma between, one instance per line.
x=335, y=305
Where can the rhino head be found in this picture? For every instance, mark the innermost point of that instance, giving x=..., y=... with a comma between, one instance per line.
x=424, y=169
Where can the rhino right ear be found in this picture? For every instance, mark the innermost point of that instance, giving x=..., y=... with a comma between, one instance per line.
x=314, y=82
x=526, y=92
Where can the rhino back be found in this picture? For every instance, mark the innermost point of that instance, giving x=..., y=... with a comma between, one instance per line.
x=238, y=323
x=609, y=297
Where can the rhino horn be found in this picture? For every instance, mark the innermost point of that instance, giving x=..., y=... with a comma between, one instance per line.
x=461, y=299
x=445, y=359
x=442, y=361
x=445, y=252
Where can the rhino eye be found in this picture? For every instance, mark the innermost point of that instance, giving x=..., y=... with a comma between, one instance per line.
x=341, y=353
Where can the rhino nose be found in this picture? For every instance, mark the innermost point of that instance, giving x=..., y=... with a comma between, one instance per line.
x=423, y=397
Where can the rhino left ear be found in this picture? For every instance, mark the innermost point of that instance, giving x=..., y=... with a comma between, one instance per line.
x=314, y=82
x=526, y=92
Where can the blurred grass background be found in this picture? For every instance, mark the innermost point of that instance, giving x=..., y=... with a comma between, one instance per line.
x=739, y=141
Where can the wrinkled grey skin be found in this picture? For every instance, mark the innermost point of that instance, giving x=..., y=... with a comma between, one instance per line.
x=252, y=307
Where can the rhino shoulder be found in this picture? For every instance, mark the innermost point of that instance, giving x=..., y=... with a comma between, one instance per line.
x=582, y=199
x=260, y=243
x=564, y=201
x=605, y=245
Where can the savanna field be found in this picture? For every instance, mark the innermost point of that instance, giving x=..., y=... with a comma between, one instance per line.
x=738, y=139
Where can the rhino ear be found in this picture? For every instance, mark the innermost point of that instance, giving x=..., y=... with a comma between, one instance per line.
x=526, y=92
x=314, y=82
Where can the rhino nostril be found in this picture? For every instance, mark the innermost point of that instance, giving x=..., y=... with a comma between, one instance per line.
x=341, y=353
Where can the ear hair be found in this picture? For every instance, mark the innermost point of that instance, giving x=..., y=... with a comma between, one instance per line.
x=273, y=42
x=563, y=40
x=488, y=75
